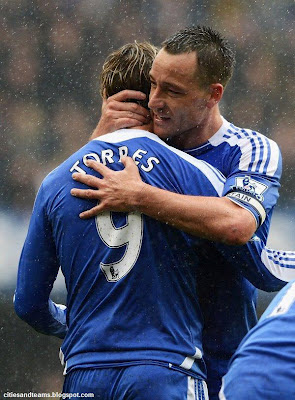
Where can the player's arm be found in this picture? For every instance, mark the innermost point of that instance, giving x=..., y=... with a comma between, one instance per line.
x=213, y=218
x=118, y=112
x=267, y=269
x=38, y=268
x=253, y=183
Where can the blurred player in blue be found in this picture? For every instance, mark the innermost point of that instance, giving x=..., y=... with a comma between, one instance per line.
x=132, y=328
x=185, y=106
x=264, y=365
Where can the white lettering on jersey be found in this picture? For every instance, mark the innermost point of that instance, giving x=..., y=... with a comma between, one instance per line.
x=129, y=235
x=150, y=165
x=123, y=152
x=138, y=154
x=91, y=156
x=76, y=168
x=107, y=157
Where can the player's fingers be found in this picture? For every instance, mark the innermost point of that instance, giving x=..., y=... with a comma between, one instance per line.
x=119, y=118
x=127, y=123
x=89, y=194
x=127, y=110
x=130, y=105
x=129, y=163
x=130, y=114
x=98, y=167
x=87, y=179
x=92, y=212
x=127, y=95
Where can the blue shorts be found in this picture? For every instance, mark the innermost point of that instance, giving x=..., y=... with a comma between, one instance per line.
x=140, y=382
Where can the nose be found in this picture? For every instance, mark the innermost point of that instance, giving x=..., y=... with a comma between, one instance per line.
x=155, y=99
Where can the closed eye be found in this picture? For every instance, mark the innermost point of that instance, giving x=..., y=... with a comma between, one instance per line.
x=173, y=91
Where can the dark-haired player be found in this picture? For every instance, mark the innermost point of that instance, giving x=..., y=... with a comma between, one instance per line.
x=188, y=78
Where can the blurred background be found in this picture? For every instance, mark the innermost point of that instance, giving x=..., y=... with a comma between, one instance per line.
x=51, y=53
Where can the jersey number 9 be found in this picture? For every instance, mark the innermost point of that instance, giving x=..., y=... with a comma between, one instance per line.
x=129, y=235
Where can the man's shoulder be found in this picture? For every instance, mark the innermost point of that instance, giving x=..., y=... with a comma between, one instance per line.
x=247, y=150
x=241, y=137
x=122, y=135
x=58, y=173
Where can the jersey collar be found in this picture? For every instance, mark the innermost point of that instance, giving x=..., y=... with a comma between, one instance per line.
x=215, y=139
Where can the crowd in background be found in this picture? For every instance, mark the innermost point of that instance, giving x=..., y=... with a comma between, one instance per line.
x=51, y=53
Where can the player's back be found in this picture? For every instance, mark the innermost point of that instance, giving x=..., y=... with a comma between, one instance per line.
x=264, y=365
x=132, y=292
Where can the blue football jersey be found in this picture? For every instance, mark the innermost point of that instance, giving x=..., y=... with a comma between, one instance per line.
x=264, y=365
x=252, y=166
x=131, y=280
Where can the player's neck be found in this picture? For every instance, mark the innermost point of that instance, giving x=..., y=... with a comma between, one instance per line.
x=200, y=134
x=148, y=127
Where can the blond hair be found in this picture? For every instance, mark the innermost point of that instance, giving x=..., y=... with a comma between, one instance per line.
x=128, y=68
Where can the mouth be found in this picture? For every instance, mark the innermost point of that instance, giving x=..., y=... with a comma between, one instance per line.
x=160, y=119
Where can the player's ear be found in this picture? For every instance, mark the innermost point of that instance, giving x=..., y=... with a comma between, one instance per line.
x=216, y=93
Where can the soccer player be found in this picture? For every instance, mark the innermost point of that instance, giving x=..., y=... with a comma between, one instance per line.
x=264, y=365
x=185, y=105
x=133, y=326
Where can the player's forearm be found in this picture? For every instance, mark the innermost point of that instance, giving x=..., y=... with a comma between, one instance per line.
x=213, y=218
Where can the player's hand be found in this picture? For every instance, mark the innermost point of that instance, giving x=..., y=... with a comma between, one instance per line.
x=116, y=190
x=117, y=113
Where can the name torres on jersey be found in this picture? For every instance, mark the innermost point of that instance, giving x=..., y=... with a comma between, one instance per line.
x=109, y=156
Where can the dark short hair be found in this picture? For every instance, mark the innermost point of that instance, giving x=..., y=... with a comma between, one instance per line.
x=215, y=57
x=128, y=68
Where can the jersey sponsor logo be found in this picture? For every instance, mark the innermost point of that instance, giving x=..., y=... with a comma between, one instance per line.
x=251, y=186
